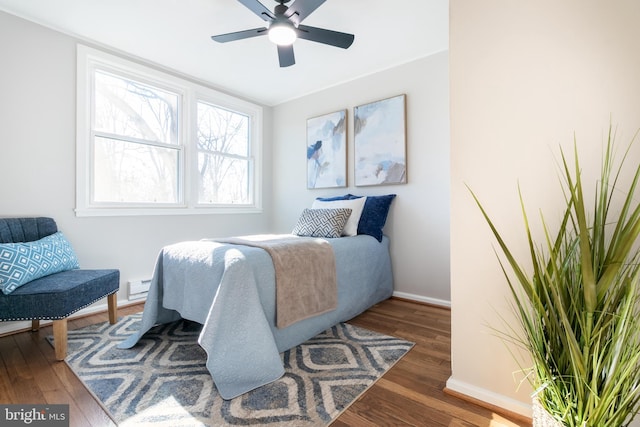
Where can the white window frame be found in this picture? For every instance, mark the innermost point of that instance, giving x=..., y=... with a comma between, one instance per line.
x=88, y=59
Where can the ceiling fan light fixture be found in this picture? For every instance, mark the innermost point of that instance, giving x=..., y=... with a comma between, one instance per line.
x=284, y=26
x=282, y=33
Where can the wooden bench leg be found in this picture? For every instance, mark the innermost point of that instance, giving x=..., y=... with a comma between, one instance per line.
x=35, y=325
x=60, y=338
x=112, y=303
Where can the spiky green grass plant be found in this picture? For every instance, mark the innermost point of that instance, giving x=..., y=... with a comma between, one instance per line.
x=578, y=308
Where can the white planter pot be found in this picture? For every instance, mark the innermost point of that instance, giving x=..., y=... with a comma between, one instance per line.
x=541, y=417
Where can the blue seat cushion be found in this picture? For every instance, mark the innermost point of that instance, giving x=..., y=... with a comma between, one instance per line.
x=58, y=295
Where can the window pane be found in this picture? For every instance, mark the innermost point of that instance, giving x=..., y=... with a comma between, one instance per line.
x=222, y=179
x=222, y=131
x=136, y=173
x=128, y=108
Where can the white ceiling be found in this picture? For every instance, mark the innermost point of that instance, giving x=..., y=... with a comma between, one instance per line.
x=176, y=34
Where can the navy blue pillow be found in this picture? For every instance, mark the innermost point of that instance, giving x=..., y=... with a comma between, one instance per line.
x=374, y=213
x=331, y=199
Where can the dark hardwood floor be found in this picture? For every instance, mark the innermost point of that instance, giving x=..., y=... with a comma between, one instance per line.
x=410, y=394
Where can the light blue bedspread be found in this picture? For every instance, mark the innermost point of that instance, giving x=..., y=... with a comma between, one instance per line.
x=230, y=289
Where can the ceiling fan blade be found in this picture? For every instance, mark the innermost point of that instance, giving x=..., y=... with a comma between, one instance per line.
x=258, y=8
x=285, y=55
x=239, y=35
x=320, y=35
x=301, y=9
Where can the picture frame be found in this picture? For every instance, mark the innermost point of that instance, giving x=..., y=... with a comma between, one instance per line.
x=327, y=150
x=380, y=142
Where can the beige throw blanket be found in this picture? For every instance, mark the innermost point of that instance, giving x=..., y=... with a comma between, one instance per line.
x=305, y=269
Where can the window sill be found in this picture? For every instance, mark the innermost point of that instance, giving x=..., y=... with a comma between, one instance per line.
x=101, y=211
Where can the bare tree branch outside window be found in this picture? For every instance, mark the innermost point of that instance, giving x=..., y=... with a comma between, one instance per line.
x=223, y=155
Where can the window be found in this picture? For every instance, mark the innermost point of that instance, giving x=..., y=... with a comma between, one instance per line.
x=152, y=143
x=223, y=155
x=136, y=149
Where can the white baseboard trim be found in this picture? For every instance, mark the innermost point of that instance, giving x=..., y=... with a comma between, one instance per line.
x=495, y=399
x=420, y=298
x=9, y=327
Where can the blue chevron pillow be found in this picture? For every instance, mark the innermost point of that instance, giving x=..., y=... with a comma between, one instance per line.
x=322, y=222
x=21, y=263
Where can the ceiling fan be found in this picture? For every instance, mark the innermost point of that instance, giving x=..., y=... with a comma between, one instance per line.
x=284, y=28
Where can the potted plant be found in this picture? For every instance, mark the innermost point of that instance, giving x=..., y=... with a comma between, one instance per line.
x=577, y=306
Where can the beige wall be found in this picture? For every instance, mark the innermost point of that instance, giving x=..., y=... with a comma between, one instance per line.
x=525, y=77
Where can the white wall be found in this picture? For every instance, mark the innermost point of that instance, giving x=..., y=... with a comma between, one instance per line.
x=418, y=224
x=37, y=164
x=525, y=76
x=37, y=160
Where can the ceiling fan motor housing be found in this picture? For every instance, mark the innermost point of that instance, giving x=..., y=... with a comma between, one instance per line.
x=280, y=9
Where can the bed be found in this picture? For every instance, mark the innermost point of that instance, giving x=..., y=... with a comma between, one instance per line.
x=230, y=289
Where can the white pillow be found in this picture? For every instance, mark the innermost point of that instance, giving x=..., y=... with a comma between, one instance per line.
x=356, y=206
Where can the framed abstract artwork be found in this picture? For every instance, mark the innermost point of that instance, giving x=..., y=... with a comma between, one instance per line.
x=327, y=150
x=380, y=142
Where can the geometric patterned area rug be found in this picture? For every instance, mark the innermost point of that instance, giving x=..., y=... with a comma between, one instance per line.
x=163, y=380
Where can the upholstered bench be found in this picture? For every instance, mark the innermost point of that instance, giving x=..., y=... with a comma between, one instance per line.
x=53, y=296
